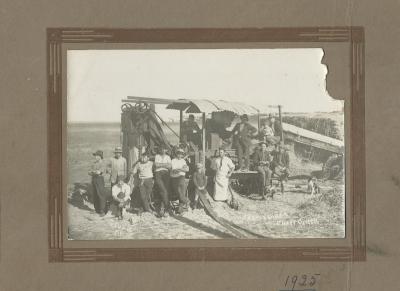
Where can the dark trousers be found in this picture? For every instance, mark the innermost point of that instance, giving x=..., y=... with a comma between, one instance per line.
x=146, y=188
x=280, y=171
x=265, y=176
x=162, y=182
x=99, y=194
x=179, y=187
x=198, y=192
x=120, y=206
x=243, y=148
x=271, y=139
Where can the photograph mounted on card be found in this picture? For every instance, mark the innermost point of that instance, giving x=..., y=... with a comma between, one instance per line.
x=206, y=144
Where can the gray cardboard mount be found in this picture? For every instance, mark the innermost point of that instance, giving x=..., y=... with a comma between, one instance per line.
x=23, y=181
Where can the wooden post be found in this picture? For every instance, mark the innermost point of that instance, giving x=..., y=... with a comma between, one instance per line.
x=121, y=133
x=152, y=145
x=280, y=121
x=204, y=141
x=140, y=145
x=259, y=121
x=180, y=124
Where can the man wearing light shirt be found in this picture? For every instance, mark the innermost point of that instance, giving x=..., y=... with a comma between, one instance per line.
x=179, y=168
x=145, y=170
x=162, y=164
x=117, y=166
x=121, y=194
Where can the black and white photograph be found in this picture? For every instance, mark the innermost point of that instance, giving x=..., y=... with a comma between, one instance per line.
x=203, y=144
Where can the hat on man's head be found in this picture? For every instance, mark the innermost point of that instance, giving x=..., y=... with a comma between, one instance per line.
x=98, y=153
x=244, y=117
x=180, y=151
x=120, y=178
x=145, y=154
x=162, y=147
x=263, y=142
x=118, y=150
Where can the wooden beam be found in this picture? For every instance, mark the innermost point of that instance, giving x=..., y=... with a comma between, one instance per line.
x=204, y=140
x=149, y=100
x=180, y=125
x=280, y=121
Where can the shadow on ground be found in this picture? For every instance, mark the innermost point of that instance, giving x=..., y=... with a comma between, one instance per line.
x=203, y=227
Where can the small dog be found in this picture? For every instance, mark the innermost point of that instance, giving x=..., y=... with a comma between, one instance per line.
x=313, y=187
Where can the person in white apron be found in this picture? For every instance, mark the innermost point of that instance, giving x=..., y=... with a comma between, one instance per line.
x=224, y=167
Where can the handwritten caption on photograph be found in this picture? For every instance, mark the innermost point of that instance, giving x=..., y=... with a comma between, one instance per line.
x=302, y=282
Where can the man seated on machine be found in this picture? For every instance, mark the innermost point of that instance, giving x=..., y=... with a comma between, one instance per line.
x=267, y=134
x=280, y=162
x=191, y=132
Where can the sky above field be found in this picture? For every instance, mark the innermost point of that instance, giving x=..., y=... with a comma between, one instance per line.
x=97, y=80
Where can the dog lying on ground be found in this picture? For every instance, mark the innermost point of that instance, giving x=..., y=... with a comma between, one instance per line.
x=313, y=187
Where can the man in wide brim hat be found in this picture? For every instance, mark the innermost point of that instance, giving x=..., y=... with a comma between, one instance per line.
x=243, y=133
x=117, y=166
x=96, y=171
x=118, y=149
x=179, y=151
x=244, y=117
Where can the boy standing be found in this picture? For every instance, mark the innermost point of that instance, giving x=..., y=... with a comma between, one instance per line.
x=200, y=183
x=121, y=193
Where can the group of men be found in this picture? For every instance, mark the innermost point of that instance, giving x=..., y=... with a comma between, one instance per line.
x=242, y=134
x=266, y=162
x=116, y=167
x=166, y=173
x=270, y=162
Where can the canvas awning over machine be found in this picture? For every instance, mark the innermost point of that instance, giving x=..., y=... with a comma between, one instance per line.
x=202, y=106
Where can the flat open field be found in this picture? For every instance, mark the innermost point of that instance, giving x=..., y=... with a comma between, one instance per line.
x=296, y=214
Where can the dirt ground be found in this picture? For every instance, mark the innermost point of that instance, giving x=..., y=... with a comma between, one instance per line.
x=295, y=214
